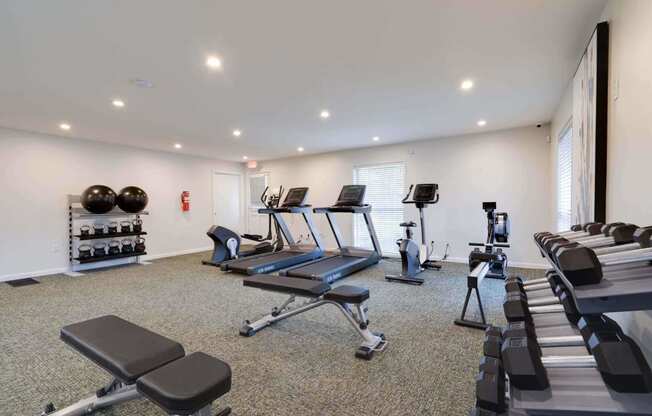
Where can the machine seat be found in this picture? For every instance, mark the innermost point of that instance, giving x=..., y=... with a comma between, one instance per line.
x=127, y=351
x=348, y=294
x=291, y=285
x=408, y=224
x=187, y=385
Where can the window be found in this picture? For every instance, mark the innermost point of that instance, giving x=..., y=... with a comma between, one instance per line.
x=385, y=188
x=257, y=184
x=564, y=179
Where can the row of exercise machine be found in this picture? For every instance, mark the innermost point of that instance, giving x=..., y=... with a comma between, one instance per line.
x=144, y=364
x=559, y=352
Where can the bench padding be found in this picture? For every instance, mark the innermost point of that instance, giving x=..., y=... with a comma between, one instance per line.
x=187, y=385
x=125, y=350
x=348, y=294
x=291, y=285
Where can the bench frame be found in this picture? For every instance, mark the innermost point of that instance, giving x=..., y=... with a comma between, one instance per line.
x=356, y=315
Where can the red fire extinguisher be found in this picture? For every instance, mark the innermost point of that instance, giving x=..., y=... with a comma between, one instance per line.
x=185, y=201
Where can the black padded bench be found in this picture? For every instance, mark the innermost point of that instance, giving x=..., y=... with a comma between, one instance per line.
x=145, y=364
x=348, y=299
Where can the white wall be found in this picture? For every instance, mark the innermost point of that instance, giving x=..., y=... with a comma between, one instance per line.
x=629, y=138
x=38, y=171
x=510, y=167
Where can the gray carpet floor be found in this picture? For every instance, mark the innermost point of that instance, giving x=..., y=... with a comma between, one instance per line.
x=302, y=366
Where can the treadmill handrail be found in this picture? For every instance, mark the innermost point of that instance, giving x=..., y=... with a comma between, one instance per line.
x=290, y=209
x=355, y=209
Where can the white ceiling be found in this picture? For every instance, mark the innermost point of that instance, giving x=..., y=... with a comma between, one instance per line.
x=382, y=67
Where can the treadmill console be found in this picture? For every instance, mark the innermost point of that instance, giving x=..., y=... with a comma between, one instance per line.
x=295, y=197
x=425, y=192
x=351, y=196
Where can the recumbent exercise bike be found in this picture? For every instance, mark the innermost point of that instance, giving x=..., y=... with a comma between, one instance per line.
x=227, y=243
x=415, y=258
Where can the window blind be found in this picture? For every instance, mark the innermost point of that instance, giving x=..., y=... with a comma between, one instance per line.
x=385, y=188
x=564, y=179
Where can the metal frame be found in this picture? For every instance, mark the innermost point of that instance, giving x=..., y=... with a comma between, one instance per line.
x=473, y=283
x=115, y=393
x=357, y=318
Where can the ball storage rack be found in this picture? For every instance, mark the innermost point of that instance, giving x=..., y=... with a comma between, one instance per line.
x=78, y=216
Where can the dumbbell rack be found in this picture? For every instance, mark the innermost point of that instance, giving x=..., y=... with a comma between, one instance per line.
x=610, y=294
x=582, y=391
x=77, y=214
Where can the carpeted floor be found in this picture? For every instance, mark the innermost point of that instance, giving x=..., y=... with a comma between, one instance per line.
x=302, y=366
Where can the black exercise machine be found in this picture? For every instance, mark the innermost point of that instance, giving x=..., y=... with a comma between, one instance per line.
x=227, y=243
x=144, y=364
x=294, y=203
x=348, y=259
x=491, y=262
x=416, y=258
x=498, y=229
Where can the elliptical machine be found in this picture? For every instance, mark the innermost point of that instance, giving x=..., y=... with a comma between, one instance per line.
x=226, y=243
x=498, y=229
x=415, y=258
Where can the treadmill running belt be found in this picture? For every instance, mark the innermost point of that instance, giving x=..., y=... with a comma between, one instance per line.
x=325, y=266
x=271, y=258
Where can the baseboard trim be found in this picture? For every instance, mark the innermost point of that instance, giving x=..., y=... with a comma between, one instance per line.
x=37, y=273
x=61, y=270
x=176, y=253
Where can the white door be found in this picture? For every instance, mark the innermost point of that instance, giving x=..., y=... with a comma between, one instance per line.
x=226, y=201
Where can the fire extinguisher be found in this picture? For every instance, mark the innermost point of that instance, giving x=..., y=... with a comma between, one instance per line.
x=185, y=201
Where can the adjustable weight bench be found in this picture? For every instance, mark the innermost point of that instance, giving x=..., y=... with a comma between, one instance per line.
x=144, y=364
x=348, y=299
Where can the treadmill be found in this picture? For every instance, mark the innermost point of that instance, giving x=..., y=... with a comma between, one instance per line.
x=294, y=203
x=348, y=259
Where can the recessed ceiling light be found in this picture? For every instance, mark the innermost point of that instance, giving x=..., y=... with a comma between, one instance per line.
x=178, y=146
x=213, y=62
x=375, y=138
x=324, y=114
x=300, y=149
x=244, y=158
x=482, y=123
x=118, y=103
x=466, y=85
x=65, y=126
x=237, y=133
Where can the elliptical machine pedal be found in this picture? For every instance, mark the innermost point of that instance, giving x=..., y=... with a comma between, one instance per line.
x=415, y=258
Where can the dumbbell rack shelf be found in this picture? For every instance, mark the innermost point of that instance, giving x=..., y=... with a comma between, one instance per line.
x=77, y=216
x=108, y=257
x=611, y=294
x=108, y=236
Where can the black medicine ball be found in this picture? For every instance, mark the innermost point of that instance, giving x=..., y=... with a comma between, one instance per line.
x=98, y=199
x=132, y=199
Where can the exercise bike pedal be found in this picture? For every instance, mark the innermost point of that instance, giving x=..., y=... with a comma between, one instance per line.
x=224, y=412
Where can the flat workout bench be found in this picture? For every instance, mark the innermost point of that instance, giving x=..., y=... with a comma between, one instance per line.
x=346, y=298
x=145, y=364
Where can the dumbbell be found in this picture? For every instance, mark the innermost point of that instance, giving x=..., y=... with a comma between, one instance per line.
x=490, y=382
x=590, y=228
x=587, y=326
x=551, y=282
x=583, y=266
x=612, y=234
x=618, y=236
x=618, y=359
x=517, y=307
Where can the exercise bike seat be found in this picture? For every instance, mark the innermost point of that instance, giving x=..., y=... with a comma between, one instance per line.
x=125, y=350
x=408, y=224
x=187, y=385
